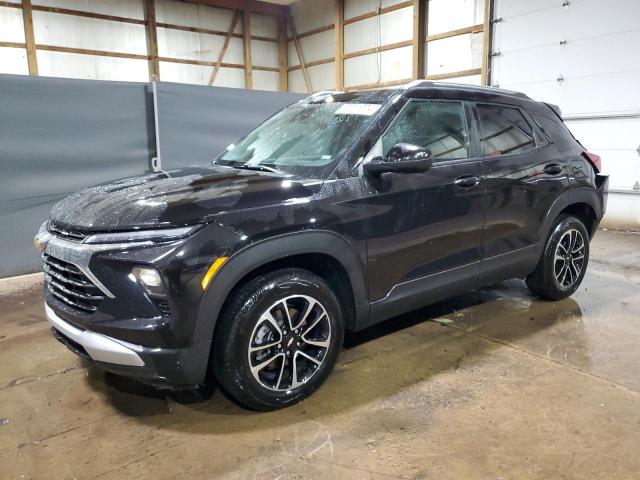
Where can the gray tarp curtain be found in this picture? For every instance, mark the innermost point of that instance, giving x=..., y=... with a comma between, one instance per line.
x=59, y=135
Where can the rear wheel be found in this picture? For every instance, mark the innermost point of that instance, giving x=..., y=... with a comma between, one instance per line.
x=564, y=260
x=278, y=339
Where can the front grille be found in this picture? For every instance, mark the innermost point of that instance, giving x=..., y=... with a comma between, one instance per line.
x=66, y=233
x=67, y=283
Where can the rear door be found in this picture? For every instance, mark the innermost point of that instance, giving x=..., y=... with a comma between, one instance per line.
x=525, y=175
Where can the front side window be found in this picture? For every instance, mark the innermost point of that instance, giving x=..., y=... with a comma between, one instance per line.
x=305, y=139
x=503, y=131
x=435, y=125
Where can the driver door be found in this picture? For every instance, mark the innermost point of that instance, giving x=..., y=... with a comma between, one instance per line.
x=424, y=232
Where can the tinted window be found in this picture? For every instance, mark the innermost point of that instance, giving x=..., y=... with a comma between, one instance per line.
x=503, y=130
x=558, y=132
x=437, y=126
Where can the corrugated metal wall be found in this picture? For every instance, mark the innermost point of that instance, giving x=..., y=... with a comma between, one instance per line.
x=61, y=135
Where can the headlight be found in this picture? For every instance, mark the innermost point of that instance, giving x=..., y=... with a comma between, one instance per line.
x=150, y=280
x=160, y=235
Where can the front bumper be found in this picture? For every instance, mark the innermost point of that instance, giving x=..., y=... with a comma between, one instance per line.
x=127, y=332
x=99, y=348
x=175, y=369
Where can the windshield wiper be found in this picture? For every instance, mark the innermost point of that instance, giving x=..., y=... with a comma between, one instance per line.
x=260, y=168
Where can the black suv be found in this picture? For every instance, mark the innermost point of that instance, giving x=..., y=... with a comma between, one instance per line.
x=340, y=211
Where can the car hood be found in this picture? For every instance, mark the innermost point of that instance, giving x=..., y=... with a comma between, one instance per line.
x=178, y=197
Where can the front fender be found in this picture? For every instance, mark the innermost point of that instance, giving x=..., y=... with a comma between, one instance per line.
x=256, y=255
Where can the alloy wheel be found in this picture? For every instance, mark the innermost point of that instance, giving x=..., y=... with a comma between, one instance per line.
x=289, y=343
x=569, y=258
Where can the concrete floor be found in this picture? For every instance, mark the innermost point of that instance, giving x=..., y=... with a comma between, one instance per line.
x=492, y=384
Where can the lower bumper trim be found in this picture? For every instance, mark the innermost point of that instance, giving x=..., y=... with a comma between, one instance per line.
x=99, y=347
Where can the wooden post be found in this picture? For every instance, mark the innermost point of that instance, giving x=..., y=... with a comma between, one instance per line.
x=296, y=42
x=232, y=27
x=486, y=41
x=282, y=52
x=248, y=67
x=30, y=40
x=339, y=56
x=152, y=39
x=419, y=19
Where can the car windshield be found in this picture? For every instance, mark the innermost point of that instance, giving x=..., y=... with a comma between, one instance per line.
x=305, y=139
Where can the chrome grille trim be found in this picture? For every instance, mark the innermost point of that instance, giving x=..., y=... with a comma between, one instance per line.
x=79, y=254
x=69, y=234
x=67, y=283
x=50, y=271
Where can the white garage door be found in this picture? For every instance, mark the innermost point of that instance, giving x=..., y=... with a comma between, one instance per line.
x=583, y=55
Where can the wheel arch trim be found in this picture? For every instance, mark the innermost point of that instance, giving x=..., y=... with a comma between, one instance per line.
x=566, y=199
x=256, y=255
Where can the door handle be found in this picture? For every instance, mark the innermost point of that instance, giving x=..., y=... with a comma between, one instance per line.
x=553, y=169
x=467, y=181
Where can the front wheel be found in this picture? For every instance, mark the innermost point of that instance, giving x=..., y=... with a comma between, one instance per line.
x=564, y=260
x=278, y=339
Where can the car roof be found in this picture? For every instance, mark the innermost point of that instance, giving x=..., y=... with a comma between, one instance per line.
x=422, y=86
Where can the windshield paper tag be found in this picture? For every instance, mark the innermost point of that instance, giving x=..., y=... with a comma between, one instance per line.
x=366, y=109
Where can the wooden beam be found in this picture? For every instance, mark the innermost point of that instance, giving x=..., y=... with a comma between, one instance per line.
x=265, y=69
x=459, y=73
x=454, y=33
x=264, y=39
x=339, y=56
x=204, y=63
x=486, y=43
x=208, y=31
x=381, y=48
x=13, y=45
x=152, y=39
x=380, y=11
x=315, y=63
x=256, y=6
x=369, y=86
x=80, y=13
x=282, y=53
x=296, y=43
x=248, y=67
x=86, y=51
x=419, y=18
x=314, y=31
x=30, y=39
x=232, y=27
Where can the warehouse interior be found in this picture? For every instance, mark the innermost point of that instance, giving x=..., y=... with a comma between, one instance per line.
x=494, y=383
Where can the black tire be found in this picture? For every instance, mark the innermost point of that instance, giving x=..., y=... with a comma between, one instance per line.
x=244, y=321
x=556, y=278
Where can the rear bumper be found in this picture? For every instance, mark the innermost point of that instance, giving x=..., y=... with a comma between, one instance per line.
x=175, y=369
x=602, y=184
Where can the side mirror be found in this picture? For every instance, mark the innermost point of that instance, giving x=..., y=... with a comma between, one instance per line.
x=401, y=158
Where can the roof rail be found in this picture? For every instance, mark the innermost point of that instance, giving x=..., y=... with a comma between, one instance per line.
x=319, y=96
x=464, y=86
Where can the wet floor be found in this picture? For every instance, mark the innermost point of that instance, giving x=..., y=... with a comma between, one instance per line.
x=492, y=384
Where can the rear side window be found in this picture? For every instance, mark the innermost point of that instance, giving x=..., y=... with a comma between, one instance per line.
x=435, y=125
x=558, y=132
x=503, y=131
